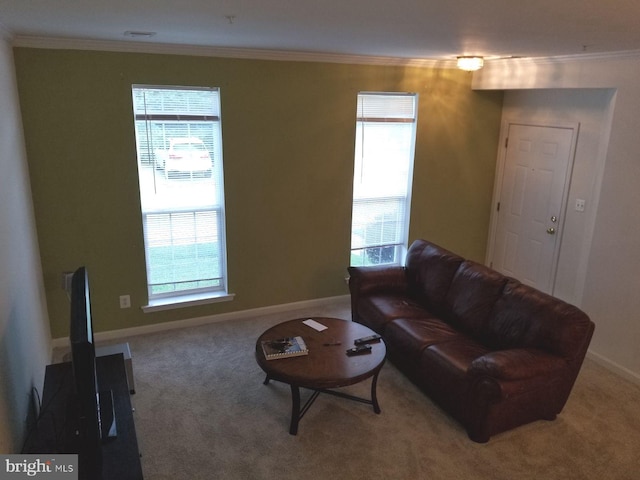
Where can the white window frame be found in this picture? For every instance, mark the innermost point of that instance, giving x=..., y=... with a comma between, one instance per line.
x=175, y=207
x=378, y=114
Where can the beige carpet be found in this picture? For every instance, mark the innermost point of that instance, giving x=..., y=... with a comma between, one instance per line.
x=202, y=412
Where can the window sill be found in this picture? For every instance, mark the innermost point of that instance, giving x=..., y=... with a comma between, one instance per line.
x=171, y=303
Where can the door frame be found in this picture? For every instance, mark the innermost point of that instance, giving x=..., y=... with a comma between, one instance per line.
x=499, y=176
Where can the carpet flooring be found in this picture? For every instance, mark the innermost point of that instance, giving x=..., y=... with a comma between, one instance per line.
x=202, y=412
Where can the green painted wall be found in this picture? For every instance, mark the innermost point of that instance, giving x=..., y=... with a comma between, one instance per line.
x=288, y=131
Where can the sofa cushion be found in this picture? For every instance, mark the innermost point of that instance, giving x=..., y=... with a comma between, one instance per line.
x=376, y=311
x=518, y=364
x=429, y=270
x=444, y=367
x=524, y=317
x=474, y=290
x=412, y=335
x=454, y=358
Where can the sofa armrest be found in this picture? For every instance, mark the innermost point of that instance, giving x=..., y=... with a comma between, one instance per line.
x=517, y=364
x=366, y=280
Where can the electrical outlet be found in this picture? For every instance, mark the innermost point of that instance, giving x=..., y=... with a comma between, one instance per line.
x=580, y=204
x=66, y=281
x=125, y=301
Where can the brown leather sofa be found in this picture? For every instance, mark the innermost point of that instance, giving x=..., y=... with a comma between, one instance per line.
x=492, y=352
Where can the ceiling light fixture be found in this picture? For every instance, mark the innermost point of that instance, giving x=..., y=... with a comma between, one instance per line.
x=470, y=63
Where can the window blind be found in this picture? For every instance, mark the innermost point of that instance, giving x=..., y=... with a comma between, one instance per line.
x=179, y=148
x=383, y=172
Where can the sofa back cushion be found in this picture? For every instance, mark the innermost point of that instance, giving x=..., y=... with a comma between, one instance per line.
x=430, y=269
x=474, y=290
x=524, y=317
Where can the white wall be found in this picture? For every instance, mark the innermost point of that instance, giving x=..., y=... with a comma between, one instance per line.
x=588, y=108
x=609, y=258
x=25, y=340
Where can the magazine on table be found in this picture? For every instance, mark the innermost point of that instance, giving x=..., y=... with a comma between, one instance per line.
x=284, y=348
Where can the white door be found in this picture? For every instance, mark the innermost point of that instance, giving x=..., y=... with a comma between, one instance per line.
x=531, y=203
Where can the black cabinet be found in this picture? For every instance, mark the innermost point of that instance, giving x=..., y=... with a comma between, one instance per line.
x=55, y=431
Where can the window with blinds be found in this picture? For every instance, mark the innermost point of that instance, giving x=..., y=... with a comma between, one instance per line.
x=383, y=173
x=179, y=146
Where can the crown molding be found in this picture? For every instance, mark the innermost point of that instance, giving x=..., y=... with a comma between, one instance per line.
x=64, y=43
x=579, y=57
x=60, y=43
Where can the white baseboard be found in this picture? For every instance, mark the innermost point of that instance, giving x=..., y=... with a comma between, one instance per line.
x=194, y=322
x=255, y=312
x=614, y=367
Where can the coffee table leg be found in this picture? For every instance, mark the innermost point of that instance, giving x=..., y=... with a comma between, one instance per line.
x=374, y=397
x=295, y=409
x=266, y=380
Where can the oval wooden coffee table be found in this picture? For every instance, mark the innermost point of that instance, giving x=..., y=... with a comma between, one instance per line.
x=326, y=366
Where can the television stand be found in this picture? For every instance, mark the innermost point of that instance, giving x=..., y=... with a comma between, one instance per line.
x=108, y=425
x=120, y=455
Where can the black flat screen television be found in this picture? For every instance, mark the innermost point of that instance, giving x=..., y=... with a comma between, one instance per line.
x=94, y=418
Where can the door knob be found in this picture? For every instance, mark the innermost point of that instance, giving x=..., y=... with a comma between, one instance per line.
x=551, y=231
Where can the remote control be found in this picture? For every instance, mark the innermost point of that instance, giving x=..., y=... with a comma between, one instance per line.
x=369, y=339
x=359, y=350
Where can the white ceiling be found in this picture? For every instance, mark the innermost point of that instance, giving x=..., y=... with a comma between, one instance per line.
x=411, y=29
